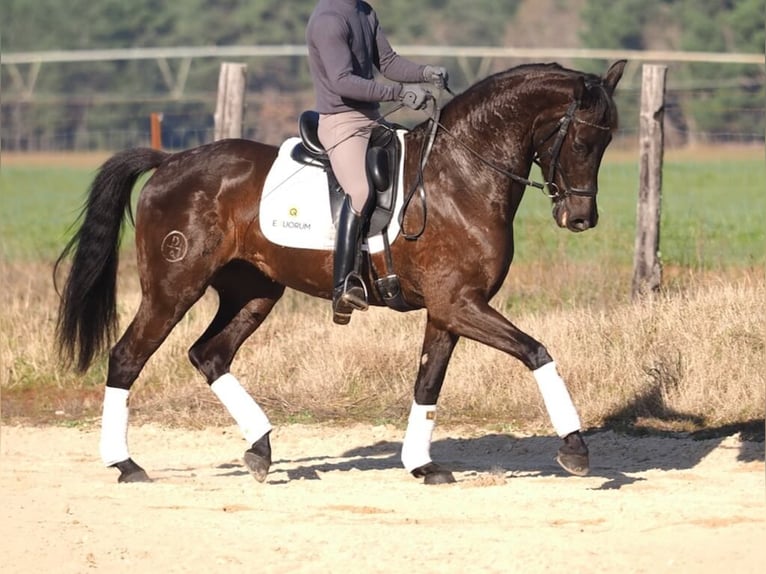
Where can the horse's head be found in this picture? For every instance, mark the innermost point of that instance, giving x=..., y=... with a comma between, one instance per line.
x=569, y=143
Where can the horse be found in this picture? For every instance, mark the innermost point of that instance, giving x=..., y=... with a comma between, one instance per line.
x=197, y=227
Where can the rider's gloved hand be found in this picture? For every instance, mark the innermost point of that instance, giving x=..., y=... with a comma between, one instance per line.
x=413, y=96
x=436, y=75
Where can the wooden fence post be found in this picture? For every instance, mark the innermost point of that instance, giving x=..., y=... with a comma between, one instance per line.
x=1, y=115
x=230, y=106
x=647, y=266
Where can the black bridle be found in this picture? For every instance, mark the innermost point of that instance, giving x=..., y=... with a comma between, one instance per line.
x=561, y=129
x=554, y=151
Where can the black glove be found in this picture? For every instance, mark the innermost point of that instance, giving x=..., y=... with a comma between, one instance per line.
x=436, y=75
x=414, y=97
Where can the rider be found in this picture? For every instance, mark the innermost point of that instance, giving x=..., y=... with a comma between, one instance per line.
x=346, y=44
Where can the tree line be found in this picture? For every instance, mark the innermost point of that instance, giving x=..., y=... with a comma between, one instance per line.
x=116, y=95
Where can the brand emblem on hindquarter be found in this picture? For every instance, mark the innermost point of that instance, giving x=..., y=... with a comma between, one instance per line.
x=174, y=246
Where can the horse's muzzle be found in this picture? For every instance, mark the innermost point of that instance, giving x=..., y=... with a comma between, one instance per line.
x=574, y=220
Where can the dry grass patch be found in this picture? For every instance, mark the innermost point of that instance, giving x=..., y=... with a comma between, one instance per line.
x=690, y=359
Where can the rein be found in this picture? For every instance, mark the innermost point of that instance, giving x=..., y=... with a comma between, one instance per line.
x=420, y=185
x=560, y=131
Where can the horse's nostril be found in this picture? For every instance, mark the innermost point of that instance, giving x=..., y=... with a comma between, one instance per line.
x=579, y=224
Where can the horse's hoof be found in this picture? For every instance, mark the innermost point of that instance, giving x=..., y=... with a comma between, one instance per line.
x=432, y=473
x=573, y=455
x=577, y=464
x=258, y=458
x=257, y=465
x=131, y=472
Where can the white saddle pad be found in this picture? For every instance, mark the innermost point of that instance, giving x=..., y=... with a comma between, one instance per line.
x=295, y=205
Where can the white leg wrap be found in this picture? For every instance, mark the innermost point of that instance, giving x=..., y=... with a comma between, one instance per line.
x=557, y=400
x=416, y=449
x=114, y=426
x=251, y=419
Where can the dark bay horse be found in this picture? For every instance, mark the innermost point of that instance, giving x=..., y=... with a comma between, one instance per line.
x=197, y=227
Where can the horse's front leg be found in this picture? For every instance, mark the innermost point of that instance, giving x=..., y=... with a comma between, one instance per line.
x=477, y=320
x=416, y=449
x=573, y=455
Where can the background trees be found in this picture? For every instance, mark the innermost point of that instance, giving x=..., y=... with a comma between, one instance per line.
x=705, y=97
x=72, y=100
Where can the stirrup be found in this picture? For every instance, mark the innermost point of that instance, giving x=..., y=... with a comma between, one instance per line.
x=350, y=293
x=349, y=298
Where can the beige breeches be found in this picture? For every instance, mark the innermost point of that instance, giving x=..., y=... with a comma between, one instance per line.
x=345, y=136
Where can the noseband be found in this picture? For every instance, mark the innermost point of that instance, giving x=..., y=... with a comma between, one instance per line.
x=560, y=131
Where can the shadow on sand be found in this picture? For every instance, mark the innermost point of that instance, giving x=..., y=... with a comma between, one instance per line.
x=631, y=442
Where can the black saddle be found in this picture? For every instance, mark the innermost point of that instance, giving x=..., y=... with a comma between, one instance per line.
x=383, y=156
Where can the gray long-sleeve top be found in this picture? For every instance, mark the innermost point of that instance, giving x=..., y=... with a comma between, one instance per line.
x=345, y=44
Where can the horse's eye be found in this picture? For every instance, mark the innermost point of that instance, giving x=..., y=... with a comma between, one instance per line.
x=579, y=146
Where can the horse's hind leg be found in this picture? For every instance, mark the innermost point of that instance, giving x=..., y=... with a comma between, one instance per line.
x=245, y=299
x=149, y=328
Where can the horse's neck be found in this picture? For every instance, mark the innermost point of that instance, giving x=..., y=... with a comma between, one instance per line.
x=484, y=157
x=502, y=127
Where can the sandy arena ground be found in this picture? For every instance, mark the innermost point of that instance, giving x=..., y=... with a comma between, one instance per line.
x=337, y=500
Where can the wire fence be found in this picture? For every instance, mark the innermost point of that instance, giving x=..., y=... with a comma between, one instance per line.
x=271, y=123
x=702, y=107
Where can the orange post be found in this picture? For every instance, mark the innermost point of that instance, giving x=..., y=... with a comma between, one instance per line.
x=156, y=122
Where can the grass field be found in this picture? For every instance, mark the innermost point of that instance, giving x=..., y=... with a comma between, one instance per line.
x=690, y=359
x=712, y=211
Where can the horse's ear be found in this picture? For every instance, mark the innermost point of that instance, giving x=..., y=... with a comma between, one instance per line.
x=613, y=75
x=580, y=89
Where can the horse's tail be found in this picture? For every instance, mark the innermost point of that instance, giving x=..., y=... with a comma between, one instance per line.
x=87, y=317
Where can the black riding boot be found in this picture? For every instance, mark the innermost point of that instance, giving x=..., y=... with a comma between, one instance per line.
x=349, y=293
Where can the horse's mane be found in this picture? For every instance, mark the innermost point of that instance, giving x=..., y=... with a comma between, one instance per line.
x=502, y=86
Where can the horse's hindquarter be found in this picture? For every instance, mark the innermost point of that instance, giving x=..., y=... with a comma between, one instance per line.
x=199, y=205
